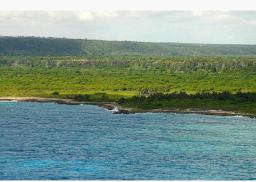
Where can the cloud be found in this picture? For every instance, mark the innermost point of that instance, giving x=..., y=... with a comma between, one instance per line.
x=197, y=13
x=88, y=15
x=235, y=17
x=55, y=15
x=213, y=15
x=157, y=26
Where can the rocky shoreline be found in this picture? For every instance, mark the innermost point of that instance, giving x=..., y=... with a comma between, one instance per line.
x=115, y=109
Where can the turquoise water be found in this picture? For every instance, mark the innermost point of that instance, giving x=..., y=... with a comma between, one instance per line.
x=50, y=141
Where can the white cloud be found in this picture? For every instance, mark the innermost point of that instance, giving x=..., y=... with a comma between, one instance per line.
x=55, y=15
x=88, y=15
x=197, y=13
x=213, y=15
x=163, y=26
x=85, y=16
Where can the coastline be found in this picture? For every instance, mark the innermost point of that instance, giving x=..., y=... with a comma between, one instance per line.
x=117, y=109
x=218, y=112
x=55, y=100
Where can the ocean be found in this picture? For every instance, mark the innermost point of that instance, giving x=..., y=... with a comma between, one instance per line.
x=53, y=141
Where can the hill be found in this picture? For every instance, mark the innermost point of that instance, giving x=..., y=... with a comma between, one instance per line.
x=62, y=46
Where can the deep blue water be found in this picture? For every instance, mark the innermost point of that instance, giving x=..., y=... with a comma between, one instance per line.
x=50, y=141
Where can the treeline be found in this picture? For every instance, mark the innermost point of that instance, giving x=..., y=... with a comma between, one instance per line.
x=61, y=46
x=39, y=46
x=186, y=64
x=218, y=96
x=221, y=96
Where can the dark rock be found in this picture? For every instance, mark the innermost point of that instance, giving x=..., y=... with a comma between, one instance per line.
x=121, y=111
x=108, y=106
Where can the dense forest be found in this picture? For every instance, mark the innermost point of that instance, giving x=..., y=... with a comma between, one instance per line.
x=171, y=64
x=60, y=46
x=127, y=75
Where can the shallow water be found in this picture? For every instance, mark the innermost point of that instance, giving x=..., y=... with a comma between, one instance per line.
x=50, y=141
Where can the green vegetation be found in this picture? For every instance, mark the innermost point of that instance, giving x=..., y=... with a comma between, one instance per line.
x=59, y=46
x=239, y=102
x=111, y=71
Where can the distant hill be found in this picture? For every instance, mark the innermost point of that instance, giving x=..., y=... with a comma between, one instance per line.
x=61, y=46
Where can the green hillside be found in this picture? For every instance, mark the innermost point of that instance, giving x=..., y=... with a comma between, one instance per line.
x=61, y=46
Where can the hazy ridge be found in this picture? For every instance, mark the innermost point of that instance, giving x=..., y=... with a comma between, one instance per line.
x=63, y=46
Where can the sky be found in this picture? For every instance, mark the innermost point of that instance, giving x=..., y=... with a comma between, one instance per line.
x=217, y=27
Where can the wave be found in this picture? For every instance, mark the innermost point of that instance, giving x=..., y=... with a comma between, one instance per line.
x=8, y=101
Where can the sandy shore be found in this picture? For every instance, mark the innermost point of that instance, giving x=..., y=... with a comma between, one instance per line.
x=107, y=105
x=113, y=106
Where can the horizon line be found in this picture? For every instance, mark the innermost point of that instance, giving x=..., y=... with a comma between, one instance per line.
x=153, y=42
